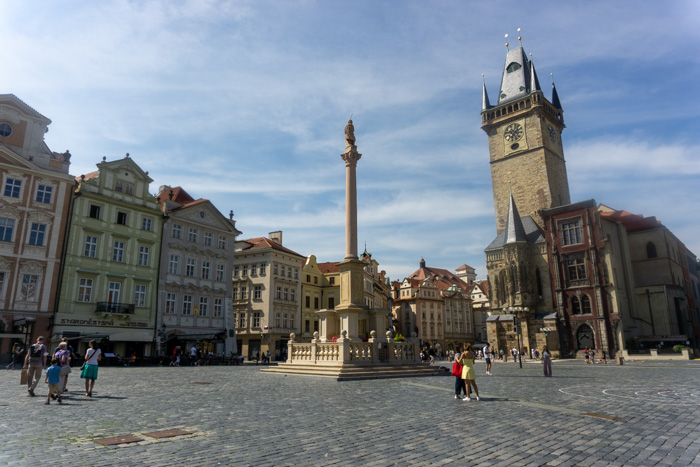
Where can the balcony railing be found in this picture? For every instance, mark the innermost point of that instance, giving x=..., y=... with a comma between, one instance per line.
x=119, y=308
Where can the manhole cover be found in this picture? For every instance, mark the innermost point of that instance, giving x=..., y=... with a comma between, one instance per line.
x=603, y=416
x=167, y=433
x=117, y=440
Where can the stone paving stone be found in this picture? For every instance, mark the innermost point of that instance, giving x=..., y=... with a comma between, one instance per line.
x=248, y=418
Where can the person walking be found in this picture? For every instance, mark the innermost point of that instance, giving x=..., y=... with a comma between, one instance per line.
x=63, y=358
x=35, y=363
x=487, y=355
x=89, y=373
x=585, y=354
x=53, y=379
x=468, y=372
x=15, y=356
x=547, y=362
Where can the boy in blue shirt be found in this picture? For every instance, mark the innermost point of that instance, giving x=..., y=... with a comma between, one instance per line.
x=53, y=378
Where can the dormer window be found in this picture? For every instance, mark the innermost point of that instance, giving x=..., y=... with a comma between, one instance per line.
x=513, y=67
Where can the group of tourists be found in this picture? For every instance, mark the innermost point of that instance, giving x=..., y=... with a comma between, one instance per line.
x=465, y=374
x=56, y=374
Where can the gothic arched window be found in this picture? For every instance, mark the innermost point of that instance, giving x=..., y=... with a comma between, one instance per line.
x=585, y=305
x=575, y=306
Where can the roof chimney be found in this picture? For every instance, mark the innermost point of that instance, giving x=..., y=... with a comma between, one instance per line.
x=422, y=263
x=276, y=236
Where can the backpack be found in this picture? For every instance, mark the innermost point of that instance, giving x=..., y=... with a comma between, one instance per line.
x=35, y=351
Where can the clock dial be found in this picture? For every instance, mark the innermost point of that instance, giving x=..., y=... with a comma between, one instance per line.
x=552, y=133
x=513, y=132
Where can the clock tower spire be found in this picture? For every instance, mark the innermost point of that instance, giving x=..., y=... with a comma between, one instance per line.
x=525, y=148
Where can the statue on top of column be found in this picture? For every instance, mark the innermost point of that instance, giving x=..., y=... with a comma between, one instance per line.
x=349, y=136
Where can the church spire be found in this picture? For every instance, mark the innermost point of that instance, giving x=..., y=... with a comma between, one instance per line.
x=534, y=82
x=515, y=232
x=555, y=97
x=485, y=104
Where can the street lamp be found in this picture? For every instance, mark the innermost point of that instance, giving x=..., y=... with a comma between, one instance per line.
x=518, y=313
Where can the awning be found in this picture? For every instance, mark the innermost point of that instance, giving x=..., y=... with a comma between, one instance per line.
x=132, y=336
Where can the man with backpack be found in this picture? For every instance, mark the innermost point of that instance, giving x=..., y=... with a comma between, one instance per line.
x=35, y=363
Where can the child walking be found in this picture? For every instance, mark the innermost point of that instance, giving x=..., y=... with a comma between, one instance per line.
x=53, y=378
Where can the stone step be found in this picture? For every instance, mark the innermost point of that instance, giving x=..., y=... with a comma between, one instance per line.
x=355, y=372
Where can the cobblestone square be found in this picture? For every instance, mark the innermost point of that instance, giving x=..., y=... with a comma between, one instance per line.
x=642, y=413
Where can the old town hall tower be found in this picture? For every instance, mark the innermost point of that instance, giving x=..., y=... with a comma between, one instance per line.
x=525, y=147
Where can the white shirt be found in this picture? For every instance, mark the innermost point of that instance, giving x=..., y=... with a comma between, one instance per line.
x=92, y=360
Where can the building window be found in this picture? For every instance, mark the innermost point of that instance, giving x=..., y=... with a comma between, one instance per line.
x=296, y=274
x=36, y=234
x=279, y=293
x=235, y=271
x=28, y=293
x=207, y=239
x=244, y=271
x=289, y=272
x=256, y=319
x=253, y=269
x=187, y=305
x=170, y=303
x=234, y=293
x=284, y=320
x=7, y=226
x=316, y=280
x=189, y=269
x=576, y=269
x=206, y=267
x=274, y=269
x=85, y=290
x=95, y=211
x=218, y=308
x=308, y=278
x=119, y=186
x=331, y=302
x=222, y=242
x=43, y=194
x=146, y=224
x=244, y=293
x=291, y=320
x=262, y=269
x=174, y=265
x=585, y=305
x=241, y=320
x=278, y=320
x=651, y=250
x=12, y=187
x=286, y=293
x=308, y=302
x=144, y=251
x=91, y=246
x=140, y=295
x=571, y=232
x=293, y=295
x=282, y=270
x=203, y=306
x=114, y=292
x=331, y=280
x=121, y=218
x=192, y=235
x=118, y=253
x=177, y=231
x=315, y=303
x=257, y=292
x=575, y=306
x=129, y=188
x=220, y=272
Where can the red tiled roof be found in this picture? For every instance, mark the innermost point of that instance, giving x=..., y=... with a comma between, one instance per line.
x=327, y=268
x=88, y=176
x=439, y=275
x=263, y=242
x=179, y=195
x=631, y=221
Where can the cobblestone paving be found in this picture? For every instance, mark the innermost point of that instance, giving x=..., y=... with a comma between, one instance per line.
x=245, y=417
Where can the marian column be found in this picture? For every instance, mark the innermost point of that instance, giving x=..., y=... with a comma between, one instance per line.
x=351, y=268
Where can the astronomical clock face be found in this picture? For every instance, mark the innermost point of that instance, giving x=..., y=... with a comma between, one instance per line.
x=513, y=132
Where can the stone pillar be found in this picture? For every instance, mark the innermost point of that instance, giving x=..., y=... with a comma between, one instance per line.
x=327, y=324
x=351, y=156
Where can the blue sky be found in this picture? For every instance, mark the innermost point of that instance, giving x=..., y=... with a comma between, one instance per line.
x=244, y=103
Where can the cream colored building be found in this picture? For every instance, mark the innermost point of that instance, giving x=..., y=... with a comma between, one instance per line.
x=266, y=295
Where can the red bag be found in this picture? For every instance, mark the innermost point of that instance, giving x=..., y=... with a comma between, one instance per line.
x=456, y=369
